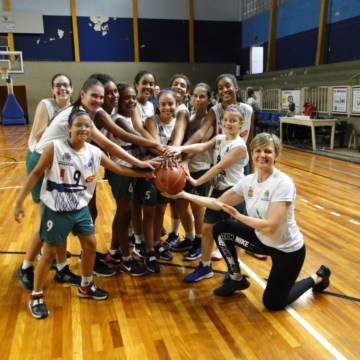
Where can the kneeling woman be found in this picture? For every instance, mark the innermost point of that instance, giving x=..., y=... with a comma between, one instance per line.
x=269, y=229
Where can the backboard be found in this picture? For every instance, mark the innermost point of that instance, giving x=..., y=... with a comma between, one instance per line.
x=13, y=61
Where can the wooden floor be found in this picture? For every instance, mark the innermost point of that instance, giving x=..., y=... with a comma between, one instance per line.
x=161, y=317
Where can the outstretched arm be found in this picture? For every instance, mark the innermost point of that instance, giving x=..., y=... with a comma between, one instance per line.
x=43, y=163
x=199, y=135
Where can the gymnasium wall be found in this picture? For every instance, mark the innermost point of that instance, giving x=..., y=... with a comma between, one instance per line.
x=296, y=36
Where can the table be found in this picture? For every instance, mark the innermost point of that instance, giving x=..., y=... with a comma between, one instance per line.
x=313, y=123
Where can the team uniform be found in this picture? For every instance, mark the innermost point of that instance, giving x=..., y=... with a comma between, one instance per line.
x=286, y=247
x=122, y=185
x=226, y=178
x=146, y=191
x=146, y=110
x=66, y=191
x=32, y=157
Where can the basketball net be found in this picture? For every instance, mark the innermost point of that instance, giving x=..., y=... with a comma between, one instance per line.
x=5, y=76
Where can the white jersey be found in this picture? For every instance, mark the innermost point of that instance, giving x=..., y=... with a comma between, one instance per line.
x=52, y=108
x=230, y=176
x=202, y=160
x=146, y=110
x=258, y=197
x=181, y=107
x=70, y=182
x=164, y=130
x=245, y=129
x=132, y=149
x=58, y=128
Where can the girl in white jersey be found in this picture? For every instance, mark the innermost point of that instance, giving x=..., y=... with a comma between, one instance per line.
x=269, y=228
x=230, y=157
x=144, y=83
x=71, y=167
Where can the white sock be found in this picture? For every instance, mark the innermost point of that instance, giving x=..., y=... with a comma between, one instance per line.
x=27, y=264
x=175, y=224
x=60, y=266
x=127, y=258
x=86, y=280
x=139, y=238
x=198, y=236
x=190, y=235
x=206, y=263
x=36, y=293
x=113, y=252
x=236, y=277
x=130, y=232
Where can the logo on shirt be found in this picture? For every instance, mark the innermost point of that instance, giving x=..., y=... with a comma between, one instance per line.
x=250, y=192
x=266, y=196
x=90, y=163
x=66, y=159
x=90, y=178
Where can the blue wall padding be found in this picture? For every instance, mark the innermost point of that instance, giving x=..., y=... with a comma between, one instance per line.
x=12, y=113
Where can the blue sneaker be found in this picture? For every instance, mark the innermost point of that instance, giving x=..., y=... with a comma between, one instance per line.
x=195, y=252
x=201, y=272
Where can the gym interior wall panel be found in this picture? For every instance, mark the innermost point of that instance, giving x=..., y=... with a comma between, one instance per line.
x=217, y=41
x=105, y=39
x=210, y=10
x=255, y=30
x=45, y=7
x=55, y=44
x=164, y=40
x=340, y=10
x=163, y=9
x=296, y=50
x=114, y=8
x=342, y=42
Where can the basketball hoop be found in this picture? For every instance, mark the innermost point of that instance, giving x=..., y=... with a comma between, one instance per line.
x=4, y=73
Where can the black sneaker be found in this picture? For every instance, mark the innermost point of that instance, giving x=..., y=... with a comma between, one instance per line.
x=113, y=259
x=26, y=278
x=37, y=306
x=162, y=252
x=92, y=292
x=229, y=286
x=195, y=251
x=132, y=240
x=324, y=272
x=151, y=263
x=67, y=276
x=184, y=245
x=102, y=270
x=172, y=240
x=139, y=250
x=133, y=267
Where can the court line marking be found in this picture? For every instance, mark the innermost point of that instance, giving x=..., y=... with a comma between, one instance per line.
x=309, y=328
x=12, y=162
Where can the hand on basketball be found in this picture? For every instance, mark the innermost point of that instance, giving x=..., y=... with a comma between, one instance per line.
x=156, y=161
x=172, y=151
x=175, y=196
x=19, y=213
x=149, y=175
x=191, y=180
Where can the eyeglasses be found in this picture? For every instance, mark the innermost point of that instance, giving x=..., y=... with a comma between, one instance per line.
x=59, y=85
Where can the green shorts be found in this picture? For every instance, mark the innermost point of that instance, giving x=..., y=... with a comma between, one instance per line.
x=56, y=225
x=202, y=190
x=146, y=193
x=213, y=216
x=32, y=158
x=121, y=186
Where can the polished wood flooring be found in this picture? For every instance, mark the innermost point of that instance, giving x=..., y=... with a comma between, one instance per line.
x=161, y=317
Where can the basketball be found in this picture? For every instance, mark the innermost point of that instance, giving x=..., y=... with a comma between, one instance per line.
x=170, y=179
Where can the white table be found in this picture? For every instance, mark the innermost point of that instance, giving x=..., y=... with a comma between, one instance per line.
x=313, y=123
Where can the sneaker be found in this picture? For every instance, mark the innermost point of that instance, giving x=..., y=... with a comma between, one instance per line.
x=133, y=267
x=67, y=276
x=26, y=277
x=257, y=256
x=172, y=240
x=195, y=252
x=184, y=245
x=216, y=255
x=151, y=263
x=324, y=272
x=92, y=292
x=114, y=259
x=229, y=286
x=132, y=240
x=102, y=270
x=37, y=306
x=201, y=272
x=139, y=250
x=162, y=252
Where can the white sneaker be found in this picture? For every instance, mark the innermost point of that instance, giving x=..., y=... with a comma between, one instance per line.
x=216, y=255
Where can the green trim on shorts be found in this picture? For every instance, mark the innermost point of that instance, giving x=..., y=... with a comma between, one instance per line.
x=146, y=193
x=56, y=225
x=32, y=158
x=202, y=190
x=213, y=216
x=121, y=186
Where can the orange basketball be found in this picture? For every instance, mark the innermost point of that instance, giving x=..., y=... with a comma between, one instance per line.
x=170, y=179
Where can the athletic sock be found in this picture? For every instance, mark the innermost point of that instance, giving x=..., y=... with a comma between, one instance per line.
x=27, y=264
x=113, y=252
x=86, y=280
x=206, y=263
x=190, y=235
x=127, y=258
x=60, y=266
x=138, y=238
x=37, y=293
x=175, y=224
x=199, y=236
